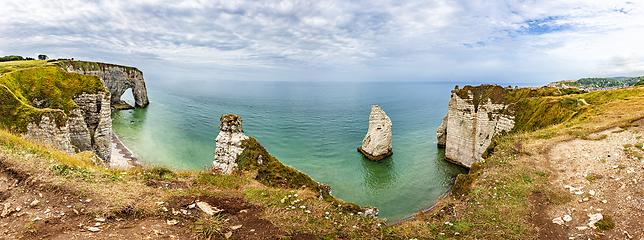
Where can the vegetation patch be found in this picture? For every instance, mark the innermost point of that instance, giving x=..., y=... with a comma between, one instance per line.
x=606, y=223
x=222, y=181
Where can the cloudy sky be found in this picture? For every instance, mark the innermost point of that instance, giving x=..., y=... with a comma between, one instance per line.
x=505, y=41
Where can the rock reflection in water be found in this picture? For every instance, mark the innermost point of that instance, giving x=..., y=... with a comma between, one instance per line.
x=380, y=175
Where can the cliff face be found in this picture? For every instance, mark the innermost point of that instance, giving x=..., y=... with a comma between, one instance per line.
x=68, y=111
x=92, y=131
x=47, y=132
x=117, y=79
x=376, y=145
x=228, y=143
x=474, y=117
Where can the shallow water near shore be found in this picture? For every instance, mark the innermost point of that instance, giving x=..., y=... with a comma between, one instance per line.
x=313, y=127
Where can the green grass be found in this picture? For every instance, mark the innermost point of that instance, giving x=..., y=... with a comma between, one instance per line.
x=222, y=181
x=91, y=66
x=29, y=94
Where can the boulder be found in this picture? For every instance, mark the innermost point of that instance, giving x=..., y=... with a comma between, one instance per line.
x=377, y=143
x=228, y=143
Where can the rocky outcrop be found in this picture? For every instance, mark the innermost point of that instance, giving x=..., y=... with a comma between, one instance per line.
x=228, y=144
x=474, y=117
x=376, y=145
x=117, y=79
x=92, y=131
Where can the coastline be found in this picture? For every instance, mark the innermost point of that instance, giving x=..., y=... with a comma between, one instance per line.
x=122, y=157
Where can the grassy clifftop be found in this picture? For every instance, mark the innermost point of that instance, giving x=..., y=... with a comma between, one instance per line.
x=91, y=66
x=29, y=93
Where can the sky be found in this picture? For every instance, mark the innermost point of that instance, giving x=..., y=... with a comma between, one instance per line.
x=511, y=41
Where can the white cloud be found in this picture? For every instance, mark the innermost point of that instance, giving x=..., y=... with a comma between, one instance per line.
x=417, y=40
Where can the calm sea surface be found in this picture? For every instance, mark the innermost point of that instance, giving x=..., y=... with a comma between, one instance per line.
x=313, y=127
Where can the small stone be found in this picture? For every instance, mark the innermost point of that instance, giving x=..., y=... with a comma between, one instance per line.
x=558, y=221
x=205, y=207
x=591, y=192
x=567, y=218
x=100, y=219
x=582, y=228
x=228, y=235
x=172, y=222
x=594, y=218
x=235, y=227
x=34, y=203
x=93, y=229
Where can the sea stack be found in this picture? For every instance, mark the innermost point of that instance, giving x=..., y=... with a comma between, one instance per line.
x=377, y=143
x=228, y=142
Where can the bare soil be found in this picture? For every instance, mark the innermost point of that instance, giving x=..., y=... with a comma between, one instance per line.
x=32, y=210
x=589, y=177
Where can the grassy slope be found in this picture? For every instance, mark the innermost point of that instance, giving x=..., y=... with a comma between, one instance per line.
x=29, y=93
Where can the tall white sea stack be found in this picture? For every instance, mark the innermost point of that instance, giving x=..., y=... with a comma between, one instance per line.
x=228, y=142
x=377, y=143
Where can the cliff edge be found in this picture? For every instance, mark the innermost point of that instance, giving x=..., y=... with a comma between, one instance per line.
x=478, y=114
x=117, y=79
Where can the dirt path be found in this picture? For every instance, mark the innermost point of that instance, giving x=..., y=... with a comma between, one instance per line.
x=591, y=177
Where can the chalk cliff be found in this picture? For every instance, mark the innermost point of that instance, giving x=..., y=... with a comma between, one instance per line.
x=117, y=79
x=68, y=111
x=376, y=145
x=228, y=143
x=475, y=115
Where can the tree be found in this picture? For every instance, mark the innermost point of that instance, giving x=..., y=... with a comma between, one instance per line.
x=42, y=57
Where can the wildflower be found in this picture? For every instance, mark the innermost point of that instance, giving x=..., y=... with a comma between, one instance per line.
x=295, y=195
x=289, y=196
x=456, y=233
x=307, y=211
x=327, y=213
x=354, y=226
x=302, y=207
x=326, y=217
x=378, y=225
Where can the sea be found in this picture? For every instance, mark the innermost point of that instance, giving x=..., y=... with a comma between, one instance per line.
x=314, y=127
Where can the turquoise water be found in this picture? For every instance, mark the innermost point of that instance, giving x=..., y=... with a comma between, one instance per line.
x=313, y=127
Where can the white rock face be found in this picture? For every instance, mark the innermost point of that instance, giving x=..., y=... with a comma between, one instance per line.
x=91, y=124
x=470, y=125
x=377, y=143
x=50, y=134
x=228, y=142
